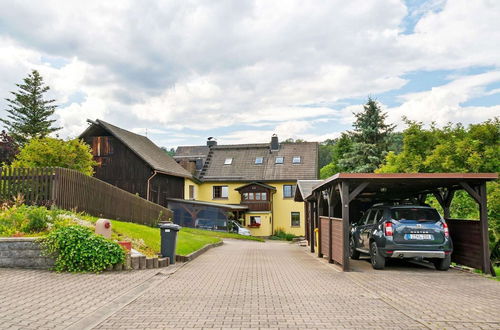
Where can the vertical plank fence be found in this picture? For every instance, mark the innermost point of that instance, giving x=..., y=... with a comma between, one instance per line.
x=72, y=190
x=334, y=254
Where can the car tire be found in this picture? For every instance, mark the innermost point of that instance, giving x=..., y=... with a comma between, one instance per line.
x=377, y=260
x=352, y=250
x=442, y=264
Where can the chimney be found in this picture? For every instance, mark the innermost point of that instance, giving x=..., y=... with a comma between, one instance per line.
x=211, y=142
x=275, y=145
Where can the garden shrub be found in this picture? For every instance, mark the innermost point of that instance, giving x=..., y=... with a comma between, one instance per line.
x=78, y=249
x=280, y=234
x=24, y=219
x=38, y=218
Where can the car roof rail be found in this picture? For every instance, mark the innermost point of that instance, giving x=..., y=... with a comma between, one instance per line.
x=382, y=204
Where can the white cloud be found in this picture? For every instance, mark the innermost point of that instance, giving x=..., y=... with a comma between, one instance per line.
x=442, y=104
x=204, y=65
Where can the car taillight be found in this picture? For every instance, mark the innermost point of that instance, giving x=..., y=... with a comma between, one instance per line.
x=388, y=229
x=445, y=228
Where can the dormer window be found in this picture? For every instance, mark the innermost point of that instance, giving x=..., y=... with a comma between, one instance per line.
x=259, y=160
x=228, y=161
x=296, y=160
x=279, y=160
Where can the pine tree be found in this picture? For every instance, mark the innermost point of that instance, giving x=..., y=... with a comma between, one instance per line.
x=371, y=137
x=28, y=112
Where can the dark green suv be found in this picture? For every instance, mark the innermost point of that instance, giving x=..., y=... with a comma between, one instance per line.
x=401, y=231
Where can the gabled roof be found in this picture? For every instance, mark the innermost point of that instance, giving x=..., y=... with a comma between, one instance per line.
x=144, y=148
x=243, y=167
x=305, y=189
x=258, y=184
x=191, y=152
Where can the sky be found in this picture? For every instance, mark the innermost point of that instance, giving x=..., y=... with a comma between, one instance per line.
x=181, y=71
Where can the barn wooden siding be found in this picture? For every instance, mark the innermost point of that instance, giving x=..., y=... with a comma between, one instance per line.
x=120, y=166
x=72, y=190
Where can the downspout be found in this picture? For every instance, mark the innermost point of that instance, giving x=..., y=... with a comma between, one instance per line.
x=271, y=196
x=149, y=181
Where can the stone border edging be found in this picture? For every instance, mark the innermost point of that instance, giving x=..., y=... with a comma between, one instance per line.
x=197, y=253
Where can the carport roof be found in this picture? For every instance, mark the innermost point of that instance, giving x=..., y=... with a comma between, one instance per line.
x=403, y=185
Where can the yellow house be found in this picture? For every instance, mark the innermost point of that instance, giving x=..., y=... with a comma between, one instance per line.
x=262, y=177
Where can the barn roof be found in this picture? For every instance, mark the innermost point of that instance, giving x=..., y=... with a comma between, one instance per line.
x=243, y=165
x=143, y=147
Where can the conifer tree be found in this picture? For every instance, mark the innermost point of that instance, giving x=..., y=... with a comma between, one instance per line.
x=371, y=137
x=28, y=112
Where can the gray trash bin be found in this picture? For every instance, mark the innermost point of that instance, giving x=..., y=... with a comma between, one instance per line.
x=168, y=234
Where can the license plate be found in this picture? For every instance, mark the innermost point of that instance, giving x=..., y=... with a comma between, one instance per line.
x=419, y=236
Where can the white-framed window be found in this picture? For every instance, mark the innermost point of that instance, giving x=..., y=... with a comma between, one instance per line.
x=191, y=191
x=279, y=160
x=220, y=192
x=228, y=161
x=259, y=160
x=296, y=160
x=289, y=190
x=255, y=221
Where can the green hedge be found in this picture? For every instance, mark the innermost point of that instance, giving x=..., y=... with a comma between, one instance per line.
x=78, y=249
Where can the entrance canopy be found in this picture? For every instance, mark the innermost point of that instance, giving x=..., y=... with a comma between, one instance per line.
x=344, y=196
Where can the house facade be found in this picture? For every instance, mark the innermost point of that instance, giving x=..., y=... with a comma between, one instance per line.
x=134, y=163
x=262, y=177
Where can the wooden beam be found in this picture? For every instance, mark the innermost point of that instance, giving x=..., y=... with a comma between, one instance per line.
x=483, y=218
x=318, y=222
x=357, y=191
x=311, y=225
x=471, y=191
x=331, y=191
x=344, y=195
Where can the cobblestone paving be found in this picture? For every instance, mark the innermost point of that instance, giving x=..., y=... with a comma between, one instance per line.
x=36, y=299
x=254, y=285
x=278, y=285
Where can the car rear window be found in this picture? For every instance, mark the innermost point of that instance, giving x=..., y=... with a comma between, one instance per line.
x=415, y=214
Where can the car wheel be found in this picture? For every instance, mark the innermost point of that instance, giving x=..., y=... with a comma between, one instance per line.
x=352, y=249
x=378, y=261
x=442, y=264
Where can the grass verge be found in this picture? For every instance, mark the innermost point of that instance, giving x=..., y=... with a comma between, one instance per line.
x=220, y=234
x=147, y=239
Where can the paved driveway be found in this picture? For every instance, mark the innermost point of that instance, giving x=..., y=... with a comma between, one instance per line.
x=273, y=285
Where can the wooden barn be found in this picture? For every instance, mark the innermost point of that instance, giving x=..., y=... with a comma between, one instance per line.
x=134, y=163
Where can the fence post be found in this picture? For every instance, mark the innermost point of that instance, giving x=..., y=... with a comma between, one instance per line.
x=55, y=187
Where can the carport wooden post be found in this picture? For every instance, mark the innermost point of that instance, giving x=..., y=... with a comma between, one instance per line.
x=344, y=197
x=331, y=192
x=483, y=217
x=318, y=208
x=479, y=195
x=311, y=225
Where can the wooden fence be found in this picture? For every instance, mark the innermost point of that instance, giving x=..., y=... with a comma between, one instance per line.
x=332, y=240
x=466, y=238
x=72, y=190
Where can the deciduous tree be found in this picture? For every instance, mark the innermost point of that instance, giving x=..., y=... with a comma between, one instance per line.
x=50, y=152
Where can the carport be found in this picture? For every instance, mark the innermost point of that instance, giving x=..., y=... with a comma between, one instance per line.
x=339, y=200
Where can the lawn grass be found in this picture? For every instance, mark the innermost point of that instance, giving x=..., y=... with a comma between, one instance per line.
x=497, y=271
x=220, y=234
x=147, y=239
